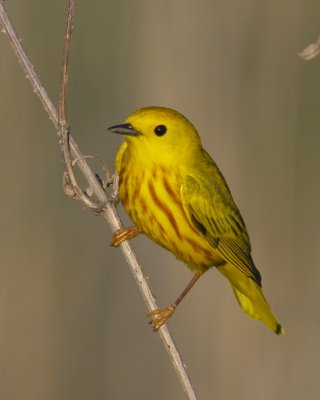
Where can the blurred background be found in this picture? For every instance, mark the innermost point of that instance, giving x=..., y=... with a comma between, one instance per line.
x=72, y=322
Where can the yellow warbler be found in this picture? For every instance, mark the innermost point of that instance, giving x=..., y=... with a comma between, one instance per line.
x=176, y=195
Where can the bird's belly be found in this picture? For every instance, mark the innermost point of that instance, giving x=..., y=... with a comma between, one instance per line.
x=155, y=206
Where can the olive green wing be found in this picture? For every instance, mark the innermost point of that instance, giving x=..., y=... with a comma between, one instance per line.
x=210, y=208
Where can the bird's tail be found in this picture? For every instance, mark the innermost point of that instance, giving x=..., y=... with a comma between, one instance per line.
x=259, y=309
x=251, y=299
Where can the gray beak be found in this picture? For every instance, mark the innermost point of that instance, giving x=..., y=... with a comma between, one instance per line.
x=124, y=129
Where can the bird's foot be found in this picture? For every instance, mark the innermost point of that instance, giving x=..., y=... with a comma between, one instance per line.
x=162, y=315
x=123, y=234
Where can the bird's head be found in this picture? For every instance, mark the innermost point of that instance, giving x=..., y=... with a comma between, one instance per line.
x=159, y=131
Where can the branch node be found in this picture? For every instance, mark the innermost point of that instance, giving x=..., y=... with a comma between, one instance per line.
x=67, y=186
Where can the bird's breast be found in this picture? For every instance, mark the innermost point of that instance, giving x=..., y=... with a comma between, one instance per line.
x=152, y=199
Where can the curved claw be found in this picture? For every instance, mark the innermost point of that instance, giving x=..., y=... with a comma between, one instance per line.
x=162, y=315
x=123, y=234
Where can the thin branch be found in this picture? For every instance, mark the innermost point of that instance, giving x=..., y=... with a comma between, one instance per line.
x=69, y=180
x=65, y=65
x=311, y=51
x=27, y=66
x=108, y=211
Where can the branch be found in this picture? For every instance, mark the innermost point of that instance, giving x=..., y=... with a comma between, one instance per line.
x=102, y=203
x=311, y=51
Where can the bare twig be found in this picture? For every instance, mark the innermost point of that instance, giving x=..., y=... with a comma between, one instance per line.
x=311, y=51
x=108, y=211
x=64, y=125
x=64, y=128
x=65, y=65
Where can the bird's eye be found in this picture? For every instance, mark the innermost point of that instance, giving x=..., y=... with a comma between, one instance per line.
x=160, y=130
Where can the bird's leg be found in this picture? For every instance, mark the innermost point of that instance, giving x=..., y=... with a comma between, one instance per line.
x=163, y=314
x=123, y=234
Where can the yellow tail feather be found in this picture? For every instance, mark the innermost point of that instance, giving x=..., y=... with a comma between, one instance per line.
x=259, y=309
x=250, y=297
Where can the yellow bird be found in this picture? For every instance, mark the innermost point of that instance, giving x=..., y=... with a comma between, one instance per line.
x=176, y=195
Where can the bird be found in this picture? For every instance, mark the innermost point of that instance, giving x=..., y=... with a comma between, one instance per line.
x=176, y=195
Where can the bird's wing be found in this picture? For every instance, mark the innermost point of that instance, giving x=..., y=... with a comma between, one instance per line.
x=212, y=211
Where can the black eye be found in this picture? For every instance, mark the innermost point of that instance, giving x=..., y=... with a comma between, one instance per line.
x=160, y=130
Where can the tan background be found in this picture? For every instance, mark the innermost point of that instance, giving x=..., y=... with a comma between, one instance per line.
x=72, y=320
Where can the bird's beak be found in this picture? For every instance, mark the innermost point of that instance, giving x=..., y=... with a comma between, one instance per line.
x=124, y=129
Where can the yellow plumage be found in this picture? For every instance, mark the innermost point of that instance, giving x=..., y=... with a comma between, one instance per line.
x=177, y=196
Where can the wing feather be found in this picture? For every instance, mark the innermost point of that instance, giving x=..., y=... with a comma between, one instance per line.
x=211, y=209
